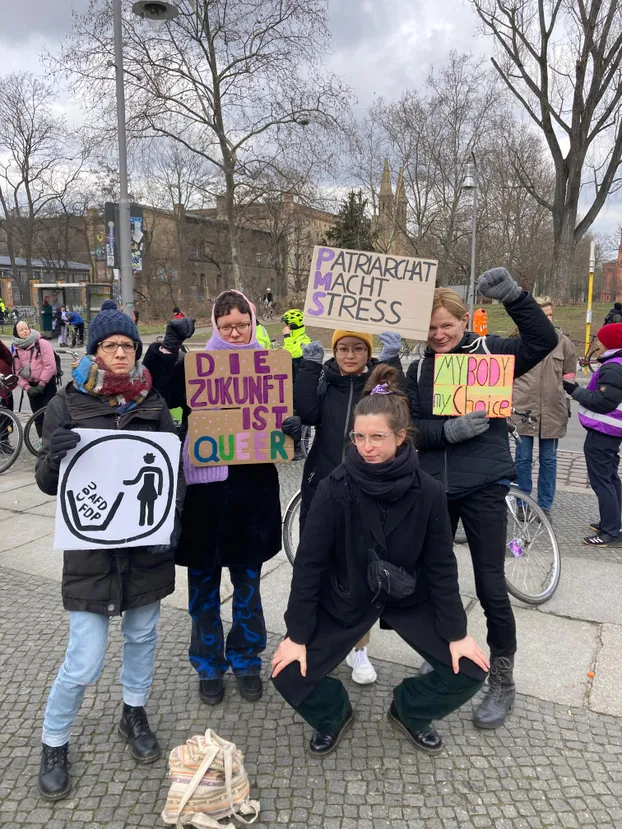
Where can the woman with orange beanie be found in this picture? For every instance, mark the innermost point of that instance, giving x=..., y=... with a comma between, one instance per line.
x=325, y=396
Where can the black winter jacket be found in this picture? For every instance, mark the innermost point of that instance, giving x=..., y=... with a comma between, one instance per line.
x=485, y=459
x=107, y=581
x=607, y=396
x=326, y=399
x=231, y=523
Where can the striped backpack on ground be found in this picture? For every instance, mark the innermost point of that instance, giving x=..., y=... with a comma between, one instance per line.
x=208, y=783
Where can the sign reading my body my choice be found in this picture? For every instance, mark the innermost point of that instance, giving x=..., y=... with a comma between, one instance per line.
x=466, y=383
x=370, y=292
x=239, y=400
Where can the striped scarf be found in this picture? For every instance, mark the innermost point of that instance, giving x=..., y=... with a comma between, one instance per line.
x=122, y=392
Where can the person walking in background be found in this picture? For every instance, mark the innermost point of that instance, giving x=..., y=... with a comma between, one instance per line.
x=600, y=414
x=35, y=365
x=231, y=518
x=109, y=390
x=541, y=393
x=325, y=396
x=47, y=318
x=63, y=326
x=471, y=455
x=377, y=508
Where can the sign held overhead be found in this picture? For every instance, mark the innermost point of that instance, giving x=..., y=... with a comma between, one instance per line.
x=370, y=292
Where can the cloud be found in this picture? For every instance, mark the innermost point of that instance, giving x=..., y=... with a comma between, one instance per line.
x=382, y=47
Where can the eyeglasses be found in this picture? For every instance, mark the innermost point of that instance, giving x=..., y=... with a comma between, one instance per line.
x=241, y=328
x=112, y=346
x=376, y=439
x=358, y=350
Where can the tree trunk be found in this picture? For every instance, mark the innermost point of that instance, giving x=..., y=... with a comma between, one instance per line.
x=563, y=253
x=234, y=238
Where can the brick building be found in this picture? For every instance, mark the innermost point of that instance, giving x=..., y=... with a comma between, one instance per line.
x=611, y=290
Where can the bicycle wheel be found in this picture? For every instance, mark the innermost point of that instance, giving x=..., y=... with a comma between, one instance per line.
x=592, y=360
x=33, y=431
x=11, y=438
x=306, y=441
x=291, y=527
x=532, y=560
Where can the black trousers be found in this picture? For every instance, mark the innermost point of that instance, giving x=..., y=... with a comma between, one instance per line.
x=484, y=517
x=602, y=457
x=418, y=699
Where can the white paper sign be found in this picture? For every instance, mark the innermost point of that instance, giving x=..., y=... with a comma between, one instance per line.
x=117, y=489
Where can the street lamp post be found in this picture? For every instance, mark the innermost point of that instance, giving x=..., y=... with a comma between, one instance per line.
x=470, y=183
x=154, y=10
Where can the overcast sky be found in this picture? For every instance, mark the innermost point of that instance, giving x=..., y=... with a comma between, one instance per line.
x=380, y=47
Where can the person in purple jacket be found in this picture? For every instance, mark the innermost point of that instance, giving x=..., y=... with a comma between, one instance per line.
x=600, y=413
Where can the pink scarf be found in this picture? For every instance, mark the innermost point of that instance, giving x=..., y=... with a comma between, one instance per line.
x=213, y=474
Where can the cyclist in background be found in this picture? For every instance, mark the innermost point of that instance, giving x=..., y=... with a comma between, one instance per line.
x=73, y=318
x=178, y=314
x=268, y=299
x=614, y=315
x=294, y=337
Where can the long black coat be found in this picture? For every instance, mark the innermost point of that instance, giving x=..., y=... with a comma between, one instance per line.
x=107, y=581
x=326, y=399
x=485, y=459
x=331, y=605
x=231, y=523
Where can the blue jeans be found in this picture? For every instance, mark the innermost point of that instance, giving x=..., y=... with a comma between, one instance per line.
x=547, y=474
x=84, y=660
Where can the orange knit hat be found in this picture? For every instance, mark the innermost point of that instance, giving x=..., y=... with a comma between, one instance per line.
x=366, y=338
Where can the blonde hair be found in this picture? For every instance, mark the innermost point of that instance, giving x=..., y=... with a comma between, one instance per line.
x=544, y=301
x=450, y=301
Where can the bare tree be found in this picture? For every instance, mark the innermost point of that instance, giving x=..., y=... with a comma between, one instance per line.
x=232, y=82
x=40, y=161
x=561, y=59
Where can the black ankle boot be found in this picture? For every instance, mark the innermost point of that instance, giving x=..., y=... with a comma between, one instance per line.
x=211, y=691
x=54, y=772
x=499, y=699
x=250, y=687
x=322, y=744
x=134, y=726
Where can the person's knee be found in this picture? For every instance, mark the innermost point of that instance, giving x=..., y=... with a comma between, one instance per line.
x=83, y=667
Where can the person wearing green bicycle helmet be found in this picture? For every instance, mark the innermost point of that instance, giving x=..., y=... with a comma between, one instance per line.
x=294, y=338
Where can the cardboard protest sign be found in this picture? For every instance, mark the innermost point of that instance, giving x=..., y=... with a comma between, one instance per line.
x=117, y=489
x=466, y=383
x=239, y=399
x=370, y=292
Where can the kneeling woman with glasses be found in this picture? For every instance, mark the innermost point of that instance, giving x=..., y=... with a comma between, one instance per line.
x=231, y=518
x=377, y=544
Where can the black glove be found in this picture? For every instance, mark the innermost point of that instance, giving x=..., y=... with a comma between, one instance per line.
x=61, y=441
x=176, y=332
x=569, y=387
x=292, y=427
x=35, y=391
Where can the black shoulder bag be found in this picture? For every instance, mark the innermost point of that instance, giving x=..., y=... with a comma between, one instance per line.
x=386, y=581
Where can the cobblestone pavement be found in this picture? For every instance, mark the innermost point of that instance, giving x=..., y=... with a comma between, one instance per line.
x=550, y=767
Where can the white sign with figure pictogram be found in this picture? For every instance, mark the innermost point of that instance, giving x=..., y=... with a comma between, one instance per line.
x=117, y=489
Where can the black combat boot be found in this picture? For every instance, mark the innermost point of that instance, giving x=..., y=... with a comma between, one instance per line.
x=54, y=772
x=499, y=698
x=134, y=726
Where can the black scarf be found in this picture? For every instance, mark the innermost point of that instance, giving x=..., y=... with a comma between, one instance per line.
x=387, y=481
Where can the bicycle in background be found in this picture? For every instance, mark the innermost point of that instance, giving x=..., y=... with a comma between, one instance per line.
x=11, y=430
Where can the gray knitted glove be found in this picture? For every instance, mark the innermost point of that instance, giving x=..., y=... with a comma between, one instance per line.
x=391, y=343
x=497, y=283
x=466, y=427
x=313, y=352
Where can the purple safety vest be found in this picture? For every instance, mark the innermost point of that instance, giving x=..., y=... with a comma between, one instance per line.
x=610, y=423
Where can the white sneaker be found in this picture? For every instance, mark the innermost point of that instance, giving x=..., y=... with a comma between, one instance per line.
x=363, y=672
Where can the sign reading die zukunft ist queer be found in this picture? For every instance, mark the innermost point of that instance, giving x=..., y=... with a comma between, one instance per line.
x=239, y=400
x=370, y=292
x=466, y=383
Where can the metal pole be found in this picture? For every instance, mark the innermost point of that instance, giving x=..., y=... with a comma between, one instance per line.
x=125, y=258
x=590, y=289
x=473, y=241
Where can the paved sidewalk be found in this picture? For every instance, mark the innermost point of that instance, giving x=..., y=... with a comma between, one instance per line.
x=557, y=763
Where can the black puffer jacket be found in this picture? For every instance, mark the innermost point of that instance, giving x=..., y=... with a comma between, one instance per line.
x=326, y=399
x=107, y=581
x=484, y=459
